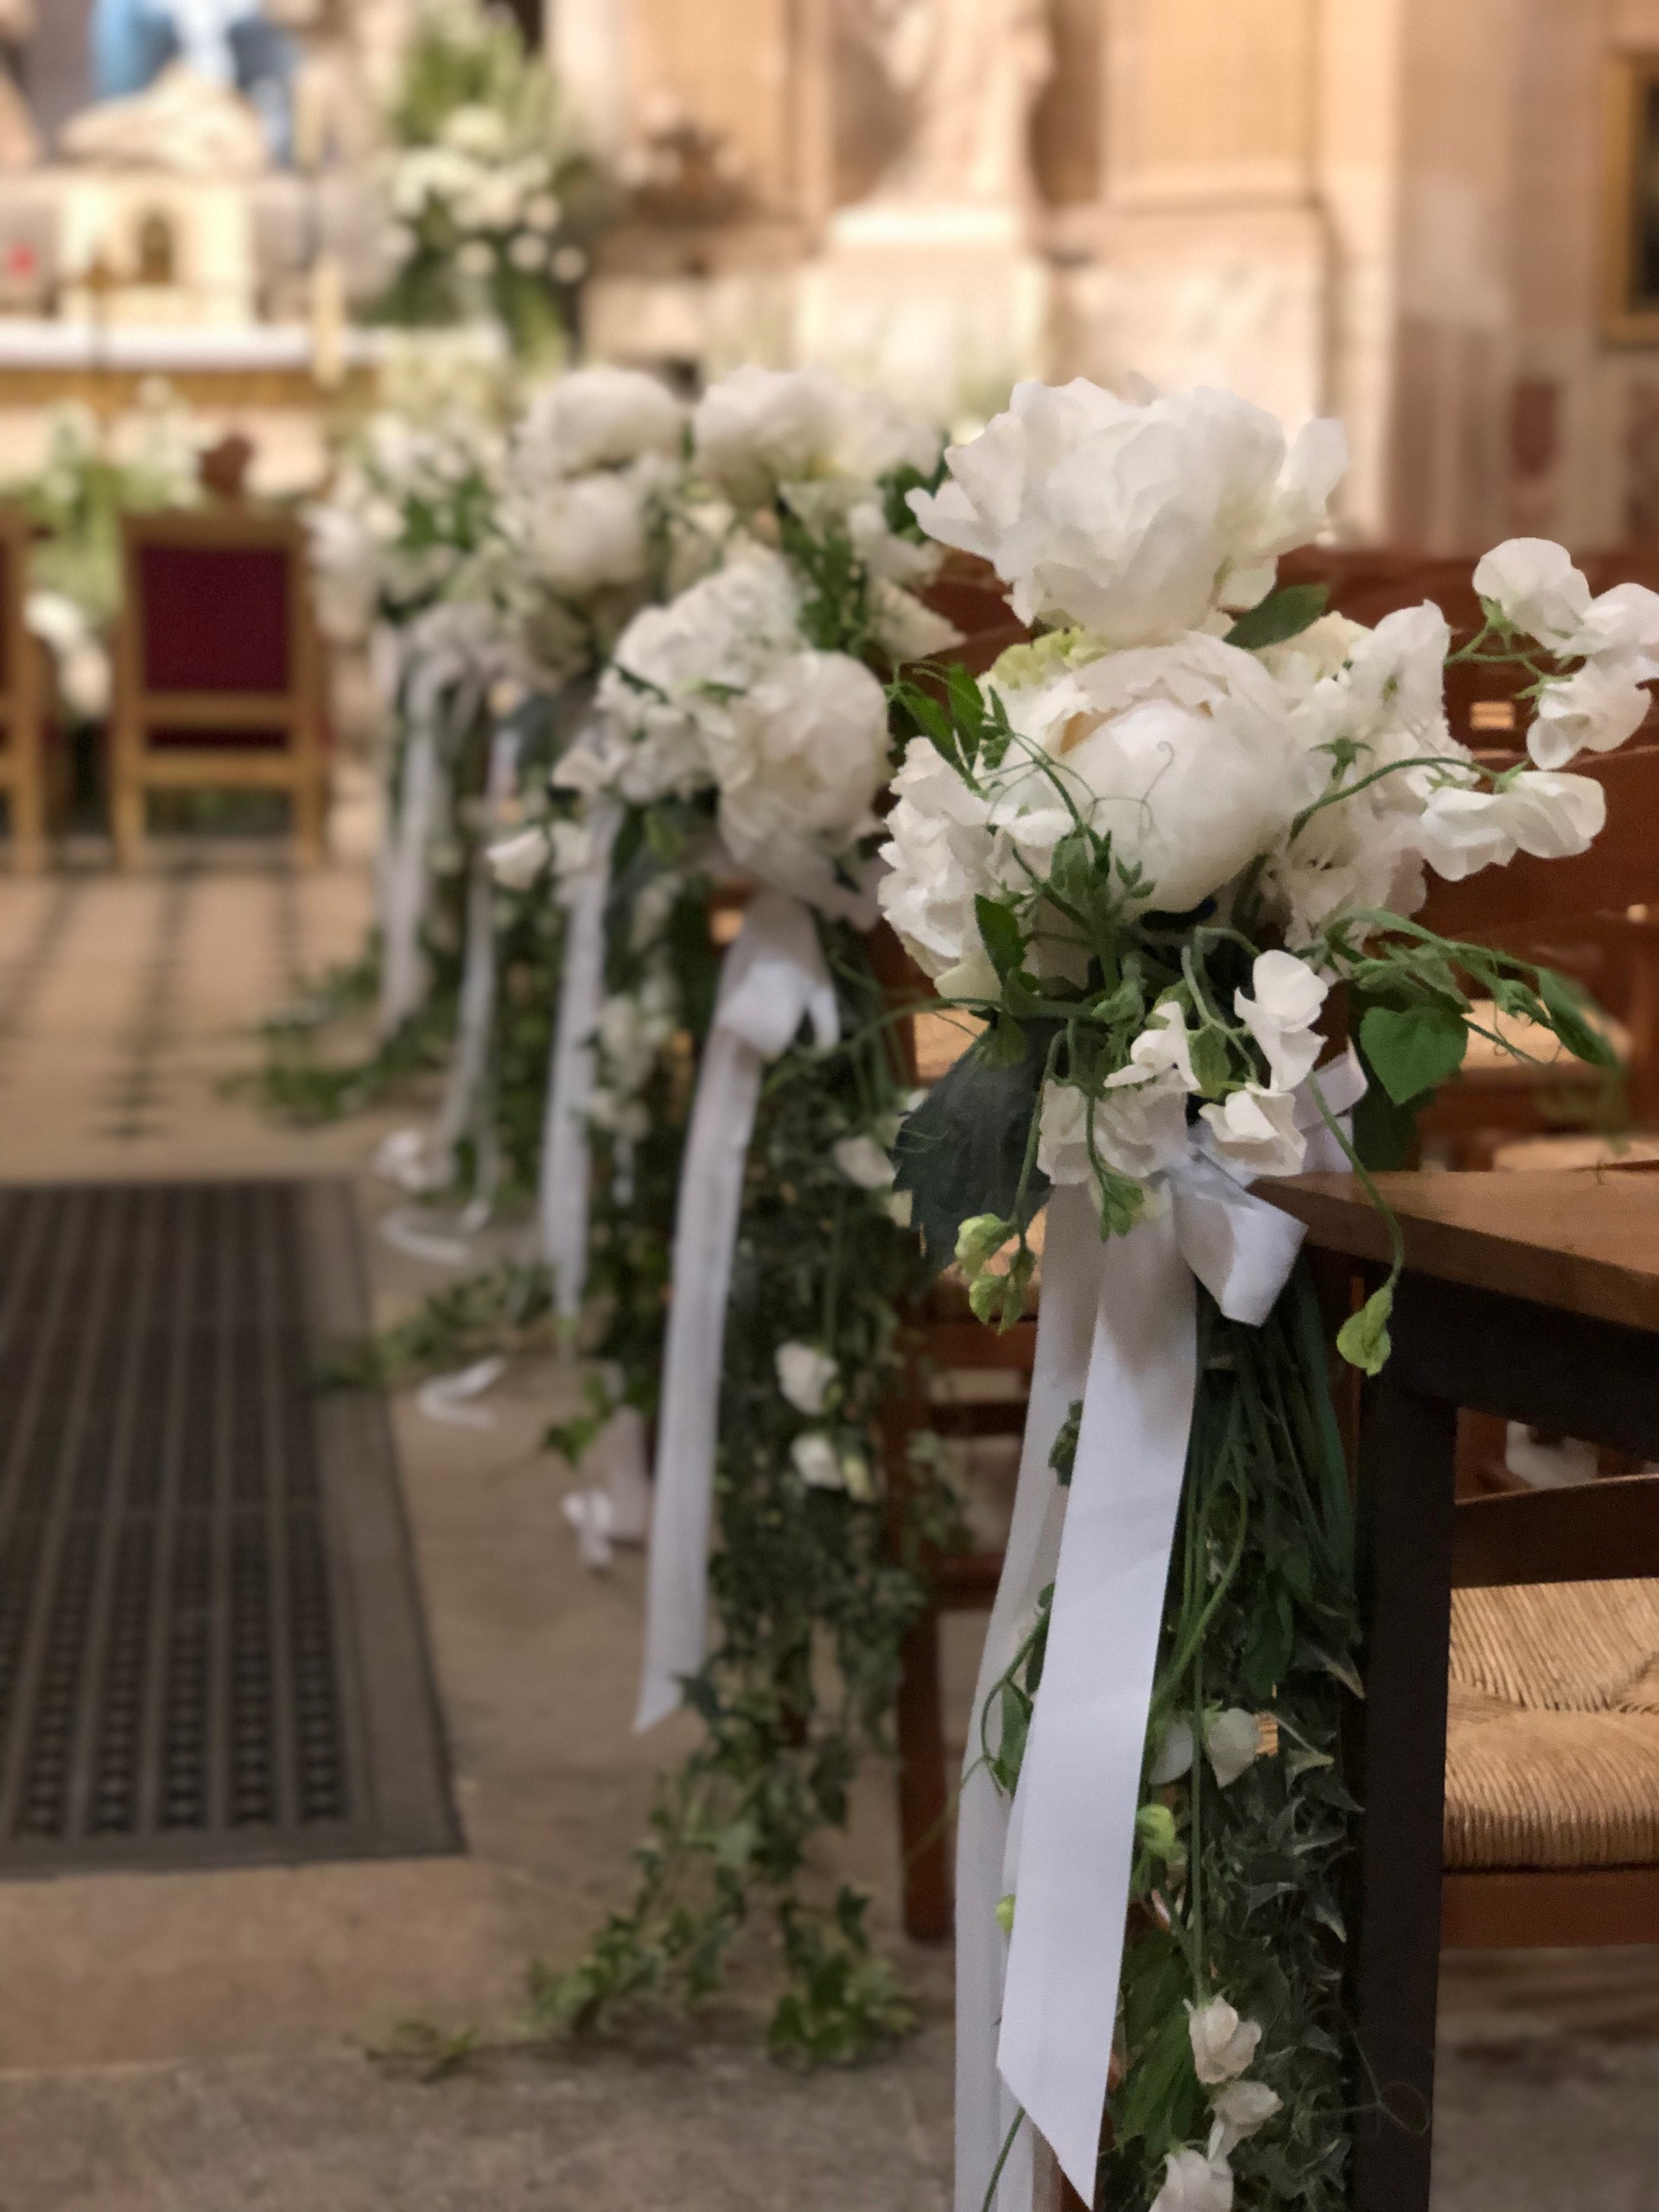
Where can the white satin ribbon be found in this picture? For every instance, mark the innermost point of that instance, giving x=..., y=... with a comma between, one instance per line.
x=450, y=656
x=1116, y=1327
x=464, y=1110
x=774, y=978
x=565, y=1160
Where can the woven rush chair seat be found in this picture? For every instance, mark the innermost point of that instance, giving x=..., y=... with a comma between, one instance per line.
x=1553, y=1738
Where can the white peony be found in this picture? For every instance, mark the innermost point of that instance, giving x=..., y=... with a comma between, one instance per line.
x=673, y=674
x=758, y=428
x=586, y=534
x=799, y=759
x=1222, y=2044
x=517, y=861
x=1253, y=1131
x=1241, y=2109
x=1134, y=521
x=1195, y=2182
x=598, y=419
x=804, y=1375
x=1140, y=1128
x=1463, y=830
x=862, y=1161
x=1286, y=1003
x=1182, y=752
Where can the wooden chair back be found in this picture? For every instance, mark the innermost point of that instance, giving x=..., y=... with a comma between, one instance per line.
x=219, y=668
x=23, y=744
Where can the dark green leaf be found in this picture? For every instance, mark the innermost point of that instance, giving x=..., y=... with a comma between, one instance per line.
x=960, y=1152
x=1413, y=1048
x=1000, y=930
x=1567, y=1006
x=1281, y=614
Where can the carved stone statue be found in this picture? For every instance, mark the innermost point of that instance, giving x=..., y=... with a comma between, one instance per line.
x=182, y=123
x=969, y=72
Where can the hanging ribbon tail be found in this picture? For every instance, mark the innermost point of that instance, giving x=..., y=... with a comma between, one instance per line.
x=403, y=962
x=462, y=1112
x=1071, y=1842
x=774, y=978
x=566, y=1171
x=1073, y=1257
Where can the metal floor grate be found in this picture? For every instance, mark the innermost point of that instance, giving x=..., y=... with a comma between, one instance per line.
x=211, y=1648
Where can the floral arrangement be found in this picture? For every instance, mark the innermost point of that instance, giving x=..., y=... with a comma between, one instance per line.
x=743, y=732
x=1150, y=852
x=493, y=194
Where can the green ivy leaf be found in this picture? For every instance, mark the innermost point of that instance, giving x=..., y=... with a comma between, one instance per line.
x=1280, y=615
x=1000, y=931
x=1363, y=1339
x=1413, y=1048
x=1566, y=1003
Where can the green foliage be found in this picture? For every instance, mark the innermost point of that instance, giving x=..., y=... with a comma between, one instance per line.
x=497, y=1310
x=1238, y=1892
x=964, y=1151
x=812, y=1594
x=1283, y=614
x=1413, y=1049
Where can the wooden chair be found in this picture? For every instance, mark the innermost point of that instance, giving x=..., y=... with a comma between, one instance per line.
x=22, y=749
x=218, y=672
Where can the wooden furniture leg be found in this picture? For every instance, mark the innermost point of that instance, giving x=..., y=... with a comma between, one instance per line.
x=923, y=1797
x=1407, y=1503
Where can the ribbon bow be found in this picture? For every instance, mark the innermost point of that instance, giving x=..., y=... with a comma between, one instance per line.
x=772, y=979
x=1118, y=1327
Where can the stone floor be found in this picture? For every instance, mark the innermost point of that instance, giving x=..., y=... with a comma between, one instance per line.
x=203, y=2043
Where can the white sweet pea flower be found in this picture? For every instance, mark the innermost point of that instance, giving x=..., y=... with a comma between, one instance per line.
x=596, y=418
x=1624, y=621
x=1592, y=710
x=939, y=855
x=1253, y=1131
x=1241, y=2109
x=1165, y=1043
x=1134, y=521
x=1534, y=585
x=1463, y=830
x=1195, y=2182
x=799, y=759
x=816, y=1462
x=517, y=861
x=1289, y=996
x=862, y=1161
x=804, y=1375
x=1222, y=2044
x=1140, y=1129
x=1232, y=1742
x=572, y=845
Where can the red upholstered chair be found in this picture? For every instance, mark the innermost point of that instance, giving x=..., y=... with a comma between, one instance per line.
x=218, y=673
x=22, y=761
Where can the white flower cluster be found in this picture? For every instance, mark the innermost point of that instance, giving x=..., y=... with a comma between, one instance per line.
x=722, y=689
x=591, y=471
x=493, y=198
x=1320, y=773
x=404, y=515
x=1224, y=2047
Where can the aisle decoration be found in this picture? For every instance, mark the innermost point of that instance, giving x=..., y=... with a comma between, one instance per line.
x=1146, y=849
x=744, y=733
x=495, y=195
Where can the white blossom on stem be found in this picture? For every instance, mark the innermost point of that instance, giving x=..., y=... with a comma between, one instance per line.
x=1195, y=2182
x=1280, y=1011
x=1222, y=2044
